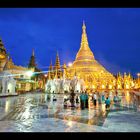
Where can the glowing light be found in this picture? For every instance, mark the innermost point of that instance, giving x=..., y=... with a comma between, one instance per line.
x=26, y=114
x=10, y=87
x=127, y=97
x=119, y=86
x=110, y=86
x=7, y=106
x=45, y=75
x=29, y=73
x=70, y=123
x=93, y=86
x=103, y=86
x=103, y=107
x=69, y=64
x=127, y=86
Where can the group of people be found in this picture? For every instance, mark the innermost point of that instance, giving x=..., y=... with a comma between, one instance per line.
x=73, y=100
x=84, y=98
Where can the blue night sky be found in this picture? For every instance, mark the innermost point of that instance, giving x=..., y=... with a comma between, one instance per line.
x=113, y=35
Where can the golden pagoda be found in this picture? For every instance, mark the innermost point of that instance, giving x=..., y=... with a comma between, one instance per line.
x=87, y=68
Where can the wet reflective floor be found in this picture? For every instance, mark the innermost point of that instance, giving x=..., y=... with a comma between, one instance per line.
x=35, y=113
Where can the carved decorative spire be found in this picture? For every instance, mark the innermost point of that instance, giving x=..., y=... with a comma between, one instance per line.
x=57, y=66
x=51, y=70
x=33, y=53
x=57, y=62
x=84, y=51
x=84, y=27
x=32, y=63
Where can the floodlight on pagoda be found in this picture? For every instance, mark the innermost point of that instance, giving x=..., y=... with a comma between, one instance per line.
x=138, y=74
x=69, y=64
x=29, y=73
x=127, y=86
x=110, y=86
x=118, y=87
x=103, y=86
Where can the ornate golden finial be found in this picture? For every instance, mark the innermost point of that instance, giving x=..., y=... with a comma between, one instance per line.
x=57, y=53
x=57, y=62
x=84, y=26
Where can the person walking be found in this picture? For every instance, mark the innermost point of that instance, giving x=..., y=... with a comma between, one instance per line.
x=115, y=99
x=72, y=98
x=103, y=97
x=77, y=100
x=82, y=103
x=107, y=103
x=86, y=99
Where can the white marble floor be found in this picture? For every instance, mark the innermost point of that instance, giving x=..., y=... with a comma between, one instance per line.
x=34, y=113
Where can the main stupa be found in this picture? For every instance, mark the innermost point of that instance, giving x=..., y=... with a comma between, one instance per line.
x=87, y=68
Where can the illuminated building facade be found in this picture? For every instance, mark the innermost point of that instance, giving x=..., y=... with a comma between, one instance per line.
x=24, y=82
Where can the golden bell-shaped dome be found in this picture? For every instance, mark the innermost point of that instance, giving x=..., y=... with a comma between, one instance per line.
x=84, y=57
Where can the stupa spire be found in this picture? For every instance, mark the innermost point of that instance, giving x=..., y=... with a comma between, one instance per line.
x=57, y=62
x=33, y=53
x=84, y=50
x=84, y=26
x=32, y=63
